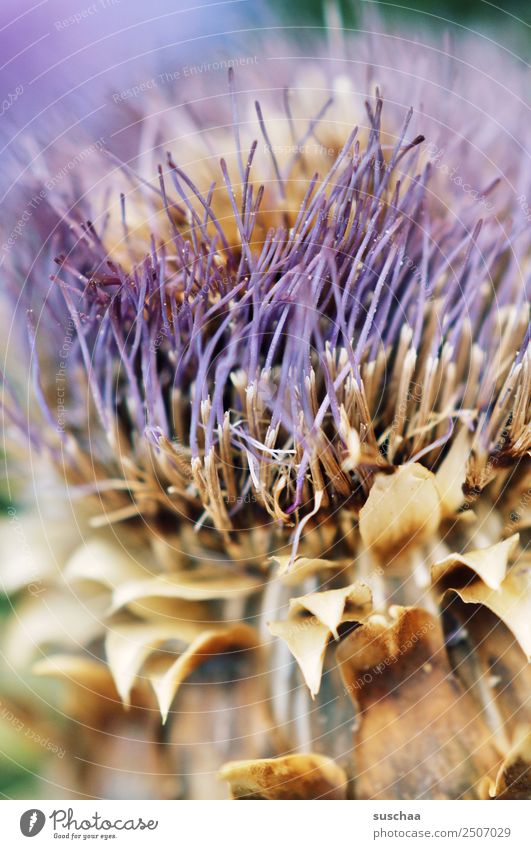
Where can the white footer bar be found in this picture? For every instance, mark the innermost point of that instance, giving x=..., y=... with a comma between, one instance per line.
x=275, y=825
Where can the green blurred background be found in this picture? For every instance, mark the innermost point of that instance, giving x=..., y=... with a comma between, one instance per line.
x=513, y=16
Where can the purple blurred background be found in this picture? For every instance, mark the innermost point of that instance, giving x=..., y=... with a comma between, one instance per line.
x=63, y=59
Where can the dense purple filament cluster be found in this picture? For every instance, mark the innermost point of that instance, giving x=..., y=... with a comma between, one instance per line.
x=296, y=305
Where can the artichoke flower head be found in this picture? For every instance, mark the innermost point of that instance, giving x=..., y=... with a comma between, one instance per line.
x=283, y=385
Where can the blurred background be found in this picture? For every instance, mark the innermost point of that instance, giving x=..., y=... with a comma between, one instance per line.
x=63, y=64
x=60, y=57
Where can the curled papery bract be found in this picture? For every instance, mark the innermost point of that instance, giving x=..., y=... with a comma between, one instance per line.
x=307, y=776
x=307, y=639
x=490, y=663
x=102, y=562
x=488, y=564
x=510, y=602
x=313, y=620
x=131, y=644
x=220, y=642
x=420, y=734
x=89, y=689
x=403, y=509
x=514, y=776
x=331, y=607
x=203, y=584
x=452, y=473
x=305, y=567
x=51, y=617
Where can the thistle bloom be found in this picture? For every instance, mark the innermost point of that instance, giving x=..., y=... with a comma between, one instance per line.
x=287, y=386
